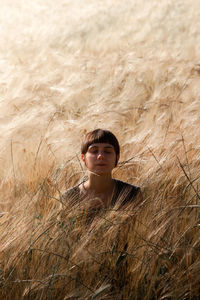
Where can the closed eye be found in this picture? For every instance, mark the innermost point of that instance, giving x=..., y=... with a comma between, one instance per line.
x=93, y=150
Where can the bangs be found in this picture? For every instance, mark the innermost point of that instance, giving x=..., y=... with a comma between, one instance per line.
x=100, y=136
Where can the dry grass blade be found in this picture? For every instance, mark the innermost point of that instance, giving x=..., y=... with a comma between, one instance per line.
x=100, y=69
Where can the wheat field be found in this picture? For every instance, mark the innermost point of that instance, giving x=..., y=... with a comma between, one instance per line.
x=68, y=67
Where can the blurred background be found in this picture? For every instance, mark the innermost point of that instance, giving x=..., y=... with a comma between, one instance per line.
x=67, y=67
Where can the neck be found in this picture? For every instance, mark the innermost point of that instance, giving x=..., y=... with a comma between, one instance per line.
x=99, y=183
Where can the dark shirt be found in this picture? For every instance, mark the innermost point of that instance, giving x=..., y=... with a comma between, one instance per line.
x=123, y=192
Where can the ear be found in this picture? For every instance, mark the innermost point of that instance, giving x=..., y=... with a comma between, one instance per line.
x=83, y=158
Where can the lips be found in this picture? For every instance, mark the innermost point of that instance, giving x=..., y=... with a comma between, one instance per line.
x=101, y=165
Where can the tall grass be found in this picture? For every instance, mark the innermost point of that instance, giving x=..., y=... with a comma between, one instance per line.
x=131, y=67
x=149, y=250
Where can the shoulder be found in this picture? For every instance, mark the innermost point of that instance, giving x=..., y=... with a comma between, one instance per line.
x=71, y=194
x=126, y=192
x=126, y=186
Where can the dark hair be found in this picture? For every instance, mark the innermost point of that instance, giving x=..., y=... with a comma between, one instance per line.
x=100, y=136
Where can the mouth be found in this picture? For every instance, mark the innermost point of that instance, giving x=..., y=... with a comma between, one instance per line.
x=101, y=165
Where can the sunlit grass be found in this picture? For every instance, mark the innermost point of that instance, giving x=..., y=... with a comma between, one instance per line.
x=132, y=68
x=149, y=250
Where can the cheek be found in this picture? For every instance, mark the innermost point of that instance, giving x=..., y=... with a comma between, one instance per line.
x=87, y=159
x=113, y=161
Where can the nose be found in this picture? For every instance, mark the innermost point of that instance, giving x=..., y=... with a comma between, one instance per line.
x=100, y=155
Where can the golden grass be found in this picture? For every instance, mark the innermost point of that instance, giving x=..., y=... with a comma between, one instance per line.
x=147, y=251
x=128, y=66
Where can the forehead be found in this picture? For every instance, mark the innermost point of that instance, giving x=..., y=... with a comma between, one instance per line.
x=101, y=145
